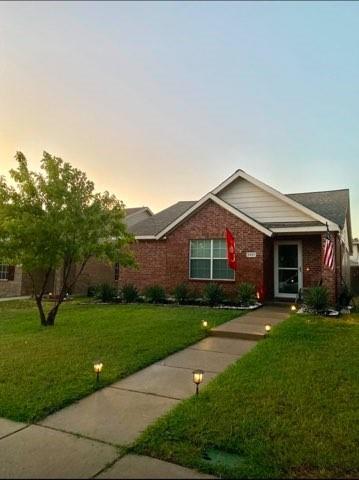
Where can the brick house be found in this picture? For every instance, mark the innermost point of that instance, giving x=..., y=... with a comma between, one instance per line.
x=15, y=282
x=279, y=240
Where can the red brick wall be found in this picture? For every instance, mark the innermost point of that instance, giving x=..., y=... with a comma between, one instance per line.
x=167, y=261
x=151, y=262
x=38, y=277
x=332, y=278
x=95, y=272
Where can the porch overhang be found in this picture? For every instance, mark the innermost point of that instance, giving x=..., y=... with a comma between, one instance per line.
x=303, y=230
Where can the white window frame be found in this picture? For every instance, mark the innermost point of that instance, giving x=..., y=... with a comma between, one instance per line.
x=4, y=272
x=211, y=258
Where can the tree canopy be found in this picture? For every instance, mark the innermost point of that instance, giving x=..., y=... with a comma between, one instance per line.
x=54, y=219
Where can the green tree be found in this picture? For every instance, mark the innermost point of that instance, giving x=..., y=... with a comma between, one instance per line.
x=53, y=221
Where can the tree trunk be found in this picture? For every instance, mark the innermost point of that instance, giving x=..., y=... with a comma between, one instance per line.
x=43, y=320
x=50, y=320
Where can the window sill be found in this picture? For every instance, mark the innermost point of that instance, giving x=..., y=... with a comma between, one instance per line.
x=212, y=280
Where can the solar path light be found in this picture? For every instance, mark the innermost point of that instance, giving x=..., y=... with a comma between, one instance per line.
x=197, y=378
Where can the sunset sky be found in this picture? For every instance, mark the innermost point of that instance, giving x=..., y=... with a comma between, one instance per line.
x=159, y=102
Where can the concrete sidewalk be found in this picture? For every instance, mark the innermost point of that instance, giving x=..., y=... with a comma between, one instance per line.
x=85, y=439
x=252, y=325
x=8, y=299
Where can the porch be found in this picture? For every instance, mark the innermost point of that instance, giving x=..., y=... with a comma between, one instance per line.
x=293, y=262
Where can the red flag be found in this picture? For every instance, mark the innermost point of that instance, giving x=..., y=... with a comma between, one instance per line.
x=231, y=250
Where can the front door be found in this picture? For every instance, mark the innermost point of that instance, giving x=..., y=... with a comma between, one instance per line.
x=288, y=278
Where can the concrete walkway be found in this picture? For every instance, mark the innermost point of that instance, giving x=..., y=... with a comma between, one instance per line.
x=8, y=299
x=86, y=439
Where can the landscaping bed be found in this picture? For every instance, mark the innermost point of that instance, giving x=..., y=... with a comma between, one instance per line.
x=44, y=369
x=289, y=408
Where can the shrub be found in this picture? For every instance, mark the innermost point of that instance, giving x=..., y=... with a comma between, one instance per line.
x=91, y=291
x=155, y=294
x=105, y=292
x=345, y=297
x=213, y=294
x=246, y=294
x=129, y=293
x=317, y=298
x=182, y=293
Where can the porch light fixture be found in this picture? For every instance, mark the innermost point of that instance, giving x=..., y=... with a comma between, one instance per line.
x=258, y=295
x=204, y=323
x=293, y=308
x=97, y=366
x=197, y=378
x=268, y=327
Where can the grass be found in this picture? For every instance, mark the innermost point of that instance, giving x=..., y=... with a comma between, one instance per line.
x=43, y=369
x=289, y=408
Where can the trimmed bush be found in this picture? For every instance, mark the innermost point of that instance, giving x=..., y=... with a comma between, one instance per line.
x=91, y=291
x=213, y=294
x=129, y=293
x=155, y=294
x=246, y=294
x=345, y=297
x=182, y=293
x=317, y=299
x=105, y=292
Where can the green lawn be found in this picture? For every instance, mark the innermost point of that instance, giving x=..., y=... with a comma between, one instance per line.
x=289, y=408
x=44, y=369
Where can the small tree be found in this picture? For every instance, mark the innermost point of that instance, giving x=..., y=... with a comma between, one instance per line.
x=54, y=221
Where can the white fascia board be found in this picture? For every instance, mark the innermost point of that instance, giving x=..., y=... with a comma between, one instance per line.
x=275, y=193
x=145, y=237
x=222, y=204
x=302, y=229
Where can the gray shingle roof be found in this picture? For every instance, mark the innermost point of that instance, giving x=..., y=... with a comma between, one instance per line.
x=332, y=204
x=131, y=211
x=156, y=223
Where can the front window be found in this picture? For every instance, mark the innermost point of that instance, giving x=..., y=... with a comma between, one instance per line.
x=208, y=260
x=4, y=269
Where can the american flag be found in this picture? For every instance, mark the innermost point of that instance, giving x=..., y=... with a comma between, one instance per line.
x=328, y=251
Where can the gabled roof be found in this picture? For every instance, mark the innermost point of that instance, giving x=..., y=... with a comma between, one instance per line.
x=331, y=204
x=321, y=207
x=275, y=193
x=154, y=224
x=132, y=211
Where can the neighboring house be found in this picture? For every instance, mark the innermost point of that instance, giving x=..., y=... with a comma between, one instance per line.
x=14, y=282
x=354, y=267
x=279, y=240
x=354, y=258
x=97, y=272
x=11, y=281
x=136, y=215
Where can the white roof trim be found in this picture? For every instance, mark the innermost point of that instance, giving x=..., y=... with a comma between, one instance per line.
x=145, y=237
x=222, y=204
x=275, y=193
x=302, y=229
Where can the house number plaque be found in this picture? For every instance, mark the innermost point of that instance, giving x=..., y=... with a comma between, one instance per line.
x=251, y=254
